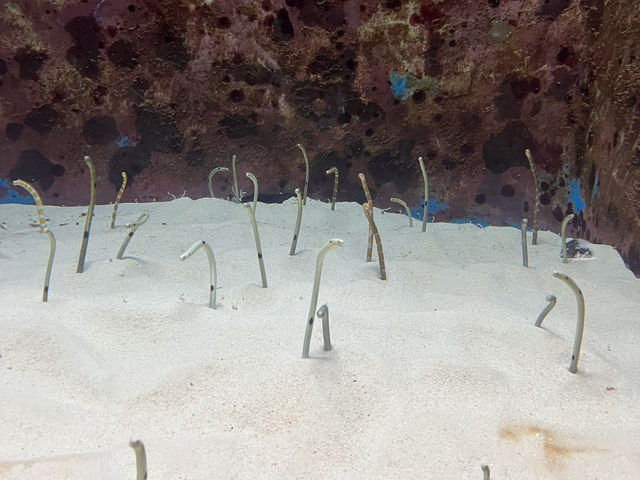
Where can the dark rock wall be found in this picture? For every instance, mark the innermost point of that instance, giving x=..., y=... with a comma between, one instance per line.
x=168, y=89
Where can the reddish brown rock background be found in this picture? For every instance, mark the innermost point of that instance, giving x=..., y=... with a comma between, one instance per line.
x=166, y=90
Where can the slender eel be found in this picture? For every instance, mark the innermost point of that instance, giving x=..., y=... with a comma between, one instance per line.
x=577, y=341
x=323, y=313
x=367, y=195
x=536, y=212
x=552, y=303
x=117, y=202
x=254, y=180
x=563, y=233
x=406, y=207
x=525, y=253
x=296, y=232
x=210, y=179
x=254, y=226
x=486, y=473
x=334, y=170
x=306, y=174
x=213, y=278
x=87, y=221
x=334, y=242
x=368, y=212
x=43, y=229
x=425, y=206
x=236, y=190
x=141, y=459
x=141, y=220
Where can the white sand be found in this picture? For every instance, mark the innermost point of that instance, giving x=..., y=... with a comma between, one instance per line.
x=433, y=372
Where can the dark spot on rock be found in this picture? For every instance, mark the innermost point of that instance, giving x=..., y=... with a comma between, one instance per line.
x=131, y=160
x=84, y=31
x=552, y=8
x=3, y=67
x=327, y=15
x=13, y=131
x=394, y=165
x=544, y=186
x=452, y=43
x=238, y=126
x=393, y=4
x=635, y=159
x=507, y=191
x=100, y=130
x=566, y=56
x=30, y=62
x=494, y=3
x=131, y=8
x=223, y=23
x=282, y=28
x=343, y=118
x=419, y=96
x=195, y=158
x=123, y=54
x=84, y=60
x=42, y=119
x=467, y=149
x=32, y=167
x=158, y=131
x=266, y=5
x=85, y=54
x=480, y=199
x=506, y=149
x=432, y=64
x=513, y=90
x=58, y=170
x=557, y=213
x=171, y=46
x=368, y=132
x=563, y=80
x=545, y=198
x=236, y=96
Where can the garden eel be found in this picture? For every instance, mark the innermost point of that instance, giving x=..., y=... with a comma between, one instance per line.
x=334, y=170
x=406, y=207
x=254, y=180
x=213, y=278
x=525, y=253
x=141, y=220
x=296, y=232
x=577, y=341
x=87, y=221
x=236, y=190
x=256, y=237
x=210, y=179
x=425, y=206
x=141, y=459
x=536, y=212
x=334, y=242
x=43, y=229
x=367, y=195
x=306, y=174
x=552, y=303
x=368, y=212
x=563, y=233
x=323, y=313
x=117, y=202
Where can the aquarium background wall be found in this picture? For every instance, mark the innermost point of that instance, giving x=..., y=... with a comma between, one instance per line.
x=166, y=90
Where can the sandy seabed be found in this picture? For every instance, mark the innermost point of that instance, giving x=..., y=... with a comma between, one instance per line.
x=433, y=372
